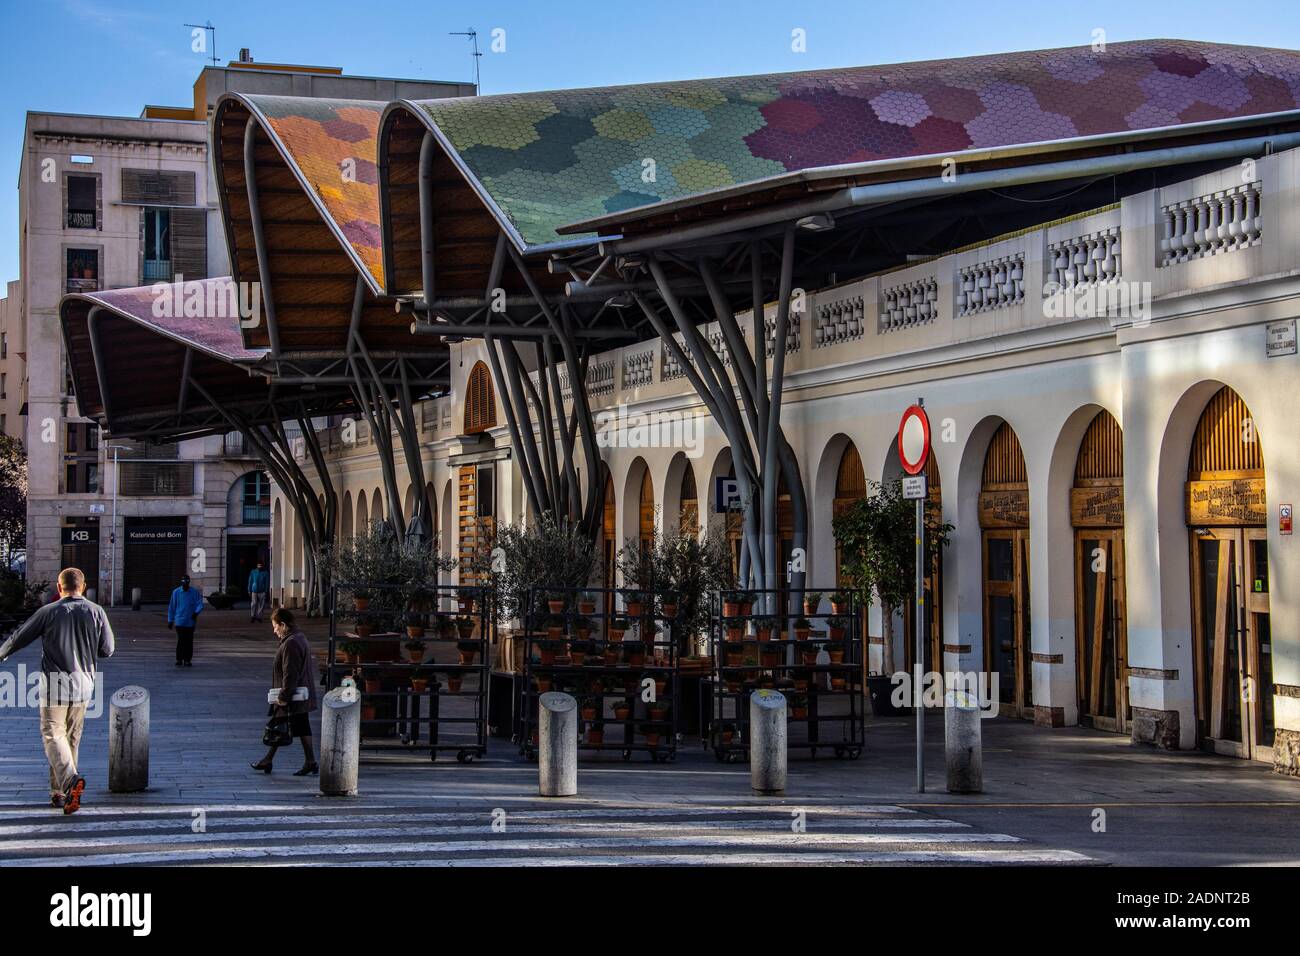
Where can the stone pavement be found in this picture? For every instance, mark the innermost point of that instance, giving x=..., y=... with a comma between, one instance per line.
x=1044, y=789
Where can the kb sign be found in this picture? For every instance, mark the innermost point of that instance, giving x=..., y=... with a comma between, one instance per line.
x=80, y=535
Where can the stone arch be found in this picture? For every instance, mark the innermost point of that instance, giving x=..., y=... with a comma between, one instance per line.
x=346, y=518
x=680, y=496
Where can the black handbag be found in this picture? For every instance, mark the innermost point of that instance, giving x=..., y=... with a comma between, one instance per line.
x=277, y=733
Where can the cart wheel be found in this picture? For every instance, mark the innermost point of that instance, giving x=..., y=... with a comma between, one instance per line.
x=627, y=755
x=855, y=753
x=839, y=751
x=433, y=756
x=465, y=756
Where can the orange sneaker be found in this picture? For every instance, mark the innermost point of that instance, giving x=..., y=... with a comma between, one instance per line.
x=72, y=796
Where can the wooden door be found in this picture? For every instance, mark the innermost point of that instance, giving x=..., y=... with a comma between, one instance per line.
x=1006, y=618
x=1100, y=629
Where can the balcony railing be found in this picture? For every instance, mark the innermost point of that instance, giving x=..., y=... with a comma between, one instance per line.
x=157, y=270
x=79, y=219
x=257, y=514
x=82, y=285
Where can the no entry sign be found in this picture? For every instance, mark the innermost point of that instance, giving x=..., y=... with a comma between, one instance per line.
x=914, y=440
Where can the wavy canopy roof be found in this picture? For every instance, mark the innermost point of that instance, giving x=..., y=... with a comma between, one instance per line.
x=547, y=160
x=145, y=334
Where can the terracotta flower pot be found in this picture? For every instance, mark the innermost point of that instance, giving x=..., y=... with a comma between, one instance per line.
x=419, y=685
x=670, y=610
x=801, y=633
x=622, y=713
x=415, y=631
x=365, y=630
x=727, y=736
x=809, y=609
x=837, y=633
x=595, y=737
x=636, y=659
x=361, y=603
x=588, y=713
x=735, y=633
x=839, y=683
x=634, y=608
x=555, y=607
x=453, y=684
x=616, y=635
x=373, y=685
x=611, y=656
x=801, y=685
x=839, y=607
x=764, y=633
x=657, y=713
x=747, y=608
x=799, y=713
x=367, y=712
x=730, y=609
x=837, y=655
x=770, y=658
x=543, y=684
x=809, y=658
x=547, y=656
x=467, y=657
x=586, y=608
x=652, y=739
x=661, y=685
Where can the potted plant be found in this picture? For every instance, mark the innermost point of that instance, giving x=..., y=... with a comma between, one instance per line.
x=801, y=681
x=595, y=735
x=812, y=600
x=617, y=628
x=586, y=605
x=546, y=652
x=839, y=683
x=841, y=602
x=728, y=733
x=770, y=655
x=367, y=713
x=543, y=683
x=661, y=685
x=837, y=626
x=651, y=733
x=465, y=627
x=669, y=607
x=802, y=628
x=622, y=709
x=578, y=650
x=798, y=707
x=809, y=653
x=763, y=628
x=657, y=710
x=365, y=628
x=414, y=651
x=373, y=685
x=634, y=653
x=611, y=655
x=419, y=683
x=349, y=651
x=555, y=602
x=361, y=600
x=733, y=654
x=583, y=626
x=747, y=599
x=635, y=603
x=731, y=604
x=453, y=683
x=836, y=652
x=588, y=709
x=467, y=651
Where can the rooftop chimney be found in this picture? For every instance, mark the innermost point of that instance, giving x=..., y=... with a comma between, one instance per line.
x=244, y=55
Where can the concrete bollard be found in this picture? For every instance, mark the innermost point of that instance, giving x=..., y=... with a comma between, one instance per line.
x=962, y=747
x=340, y=741
x=128, y=740
x=136, y=596
x=767, y=741
x=557, y=739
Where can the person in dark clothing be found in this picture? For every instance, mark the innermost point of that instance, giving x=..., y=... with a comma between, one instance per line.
x=183, y=613
x=74, y=634
x=292, y=674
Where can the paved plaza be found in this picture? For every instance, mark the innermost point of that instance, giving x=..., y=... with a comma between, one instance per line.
x=1047, y=792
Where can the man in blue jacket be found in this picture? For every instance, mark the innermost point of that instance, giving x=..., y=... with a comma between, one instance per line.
x=74, y=633
x=259, y=583
x=183, y=613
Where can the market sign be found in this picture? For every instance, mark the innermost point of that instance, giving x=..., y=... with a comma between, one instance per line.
x=1004, y=509
x=1280, y=338
x=1100, y=506
x=158, y=535
x=1226, y=502
x=80, y=535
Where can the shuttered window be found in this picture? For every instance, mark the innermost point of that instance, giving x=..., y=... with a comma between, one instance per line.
x=157, y=187
x=189, y=243
x=480, y=402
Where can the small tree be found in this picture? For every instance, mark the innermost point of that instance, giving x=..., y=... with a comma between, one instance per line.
x=684, y=564
x=877, y=539
x=13, y=496
x=551, y=554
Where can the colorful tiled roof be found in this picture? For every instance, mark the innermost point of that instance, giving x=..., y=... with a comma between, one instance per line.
x=555, y=158
x=212, y=324
x=333, y=145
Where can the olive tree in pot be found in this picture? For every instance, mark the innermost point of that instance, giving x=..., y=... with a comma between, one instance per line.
x=877, y=540
x=550, y=555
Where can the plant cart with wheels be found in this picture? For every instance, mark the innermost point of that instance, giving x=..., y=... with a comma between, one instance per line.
x=615, y=651
x=422, y=666
x=813, y=654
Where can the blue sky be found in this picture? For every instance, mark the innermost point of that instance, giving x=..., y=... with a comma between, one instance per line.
x=96, y=56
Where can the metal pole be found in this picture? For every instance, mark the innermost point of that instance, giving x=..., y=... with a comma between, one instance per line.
x=919, y=665
x=112, y=535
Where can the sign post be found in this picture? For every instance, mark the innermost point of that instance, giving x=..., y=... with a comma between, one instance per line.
x=913, y=452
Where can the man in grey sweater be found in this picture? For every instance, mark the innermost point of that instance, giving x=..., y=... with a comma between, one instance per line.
x=74, y=633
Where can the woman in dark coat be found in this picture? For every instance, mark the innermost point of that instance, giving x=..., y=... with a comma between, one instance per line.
x=292, y=669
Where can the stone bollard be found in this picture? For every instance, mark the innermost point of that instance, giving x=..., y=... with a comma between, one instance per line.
x=767, y=741
x=557, y=738
x=340, y=740
x=136, y=596
x=128, y=740
x=962, y=748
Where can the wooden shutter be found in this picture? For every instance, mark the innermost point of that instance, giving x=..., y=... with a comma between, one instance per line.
x=157, y=187
x=480, y=402
x=189, y=243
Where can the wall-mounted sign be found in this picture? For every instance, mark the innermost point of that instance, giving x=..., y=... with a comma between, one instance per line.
x=914, y=487
x=1280, y=338
x=1284, y=519
x=96, y=509
x=79, y=535
x=1099, y=506
x=1226, y=501
x=726, y=495
x=146, y=533
x=1004, y=509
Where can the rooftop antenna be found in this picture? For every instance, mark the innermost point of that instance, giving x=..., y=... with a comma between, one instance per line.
x=473, y=36
x=212, y=37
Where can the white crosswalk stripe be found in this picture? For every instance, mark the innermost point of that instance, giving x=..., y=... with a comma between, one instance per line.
x=534, y=834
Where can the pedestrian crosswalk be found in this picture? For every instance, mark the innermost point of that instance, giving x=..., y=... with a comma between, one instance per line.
x=519, y=833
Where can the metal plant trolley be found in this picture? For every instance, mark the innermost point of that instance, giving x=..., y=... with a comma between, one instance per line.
x=602, y=645
x=423, y=672
x=752, y=650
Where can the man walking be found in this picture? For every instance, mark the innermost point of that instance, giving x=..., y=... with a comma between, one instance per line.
x=74, y=632
x=183, y=613
x=259, y=583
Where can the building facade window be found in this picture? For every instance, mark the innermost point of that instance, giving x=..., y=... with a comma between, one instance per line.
x=82, y=270
x=480, y=402
x=257, y=498
x=82, y=202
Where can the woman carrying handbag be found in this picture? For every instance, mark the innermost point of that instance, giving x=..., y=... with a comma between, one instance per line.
x=294, y=691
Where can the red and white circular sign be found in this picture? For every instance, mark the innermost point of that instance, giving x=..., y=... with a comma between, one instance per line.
x=914, y=440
